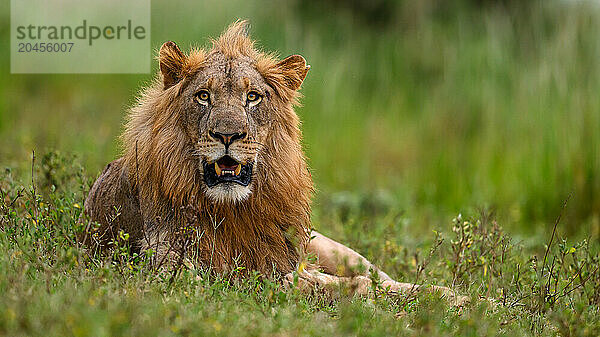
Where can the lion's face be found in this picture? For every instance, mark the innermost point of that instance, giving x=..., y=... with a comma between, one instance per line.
x=229, y=101
x=228, y=116
x=220, y=123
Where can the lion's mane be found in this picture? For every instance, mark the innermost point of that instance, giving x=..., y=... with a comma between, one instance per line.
x=265, y=232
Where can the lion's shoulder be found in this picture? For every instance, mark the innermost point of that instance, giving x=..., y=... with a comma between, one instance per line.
x=113, y=203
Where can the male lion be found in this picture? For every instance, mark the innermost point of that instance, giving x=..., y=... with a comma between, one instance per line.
x=213, y=174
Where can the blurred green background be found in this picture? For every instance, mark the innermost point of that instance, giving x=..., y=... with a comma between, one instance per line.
x=418, y=109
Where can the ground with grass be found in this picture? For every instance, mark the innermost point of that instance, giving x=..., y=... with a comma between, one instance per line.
x=445, y=142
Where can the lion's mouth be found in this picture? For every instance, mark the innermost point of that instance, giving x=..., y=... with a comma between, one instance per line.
x=227, y=170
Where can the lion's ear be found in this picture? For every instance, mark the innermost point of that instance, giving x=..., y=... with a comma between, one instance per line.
x=294, y=70
x=171, y=61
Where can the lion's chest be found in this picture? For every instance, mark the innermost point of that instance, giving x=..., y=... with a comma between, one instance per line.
x=229, y=246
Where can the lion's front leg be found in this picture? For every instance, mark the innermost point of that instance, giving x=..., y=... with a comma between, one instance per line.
x=167, y=254
x=310, y=281
x=344, y=267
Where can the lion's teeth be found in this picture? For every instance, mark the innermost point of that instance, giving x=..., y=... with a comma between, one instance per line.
x=235, y=172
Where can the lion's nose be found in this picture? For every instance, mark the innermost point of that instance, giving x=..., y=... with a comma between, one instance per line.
x=227, y=138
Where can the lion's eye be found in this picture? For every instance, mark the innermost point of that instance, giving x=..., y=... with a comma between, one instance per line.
x=202, y=97
x=253, y=98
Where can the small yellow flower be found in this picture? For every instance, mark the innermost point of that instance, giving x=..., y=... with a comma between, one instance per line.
x=301, y=266
x=11, y=314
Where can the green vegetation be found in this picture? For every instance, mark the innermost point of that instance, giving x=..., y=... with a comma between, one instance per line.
x=413, y=113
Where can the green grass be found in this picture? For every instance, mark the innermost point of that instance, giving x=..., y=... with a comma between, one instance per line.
x=440, y=110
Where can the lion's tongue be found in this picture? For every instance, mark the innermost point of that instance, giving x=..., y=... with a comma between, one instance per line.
x=223, y=168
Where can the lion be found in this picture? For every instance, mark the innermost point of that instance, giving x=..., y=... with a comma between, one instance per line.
x=213, y=174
